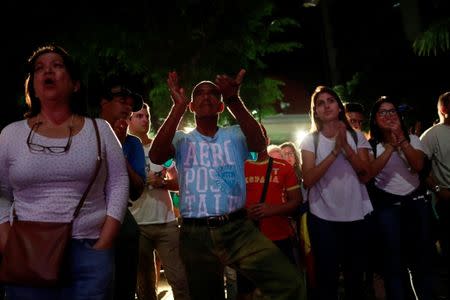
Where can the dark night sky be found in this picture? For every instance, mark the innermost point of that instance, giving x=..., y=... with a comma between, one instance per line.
x=368, y=37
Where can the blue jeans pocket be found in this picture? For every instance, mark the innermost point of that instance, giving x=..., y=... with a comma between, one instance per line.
x=92, y=271
x=88, y=244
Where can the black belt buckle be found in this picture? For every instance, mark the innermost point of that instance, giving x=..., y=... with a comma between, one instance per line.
x=213, y=222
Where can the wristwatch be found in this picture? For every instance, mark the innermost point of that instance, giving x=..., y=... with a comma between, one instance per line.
x=437, y=188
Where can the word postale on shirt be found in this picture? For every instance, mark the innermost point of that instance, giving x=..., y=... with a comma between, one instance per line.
x=212, y=183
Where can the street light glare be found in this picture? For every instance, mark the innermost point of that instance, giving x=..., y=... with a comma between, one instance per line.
x=299, y=136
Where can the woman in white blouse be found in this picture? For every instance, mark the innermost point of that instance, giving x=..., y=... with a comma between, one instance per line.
x=335, y=167
x=46, y=163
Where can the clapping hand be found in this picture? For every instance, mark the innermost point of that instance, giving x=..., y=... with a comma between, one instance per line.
x=229, y=87
x=176, y=92
x=341, y=136
x=397, y=133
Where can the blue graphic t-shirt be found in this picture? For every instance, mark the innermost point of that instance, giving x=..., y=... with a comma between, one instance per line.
x=211, y=171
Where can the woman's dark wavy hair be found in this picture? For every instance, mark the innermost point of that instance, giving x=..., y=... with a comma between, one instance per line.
x=77, y=104
x=316, y=123
x=375, y=131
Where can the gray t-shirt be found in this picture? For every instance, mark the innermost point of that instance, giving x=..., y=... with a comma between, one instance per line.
x=436, y=144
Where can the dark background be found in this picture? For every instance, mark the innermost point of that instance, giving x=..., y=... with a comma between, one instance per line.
x=369, y=39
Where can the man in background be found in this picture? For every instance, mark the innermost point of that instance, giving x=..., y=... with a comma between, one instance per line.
x=116, y=105
x=158, y=225
x=355, y=115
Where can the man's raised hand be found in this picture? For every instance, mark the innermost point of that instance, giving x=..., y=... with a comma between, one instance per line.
x=176, y=92
x=229, y=87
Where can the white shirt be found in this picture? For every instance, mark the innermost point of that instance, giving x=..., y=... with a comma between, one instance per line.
x=397, y=177
x=155, y=205
x=338, y=195
x=47, y=187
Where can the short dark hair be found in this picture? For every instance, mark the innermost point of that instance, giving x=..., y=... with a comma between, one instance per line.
x=444, y=99
x=354, y=107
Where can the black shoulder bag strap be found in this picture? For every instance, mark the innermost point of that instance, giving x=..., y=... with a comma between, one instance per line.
x=97, y=169
x=266, y=181
x=266, y=185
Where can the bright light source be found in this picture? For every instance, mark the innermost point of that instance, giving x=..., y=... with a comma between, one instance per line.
x=299, y=136
x=254, y=112
x=311, y=3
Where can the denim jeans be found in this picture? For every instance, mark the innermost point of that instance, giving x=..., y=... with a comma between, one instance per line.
x=126, y=259
x=337, y=245
x=90, y=276
x=240, y=245
x=405, y=232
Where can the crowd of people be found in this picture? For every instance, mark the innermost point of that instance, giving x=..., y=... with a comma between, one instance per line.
x=316, y=221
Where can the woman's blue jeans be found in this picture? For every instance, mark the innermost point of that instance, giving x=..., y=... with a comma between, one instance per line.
x=336, y=247
x=91, y=273
x=406, y=243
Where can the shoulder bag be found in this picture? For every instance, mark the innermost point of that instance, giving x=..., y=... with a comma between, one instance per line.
x=35, y=251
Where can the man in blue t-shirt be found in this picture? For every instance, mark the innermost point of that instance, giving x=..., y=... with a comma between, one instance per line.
x=215, y=230
x=116, y=105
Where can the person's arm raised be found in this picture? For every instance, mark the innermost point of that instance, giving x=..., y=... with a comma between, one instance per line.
x=162, y=148
x=414, y=156
x=229, y=88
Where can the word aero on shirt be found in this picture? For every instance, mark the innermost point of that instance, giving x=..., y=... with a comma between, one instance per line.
x=211, y=180
x=209, y=154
